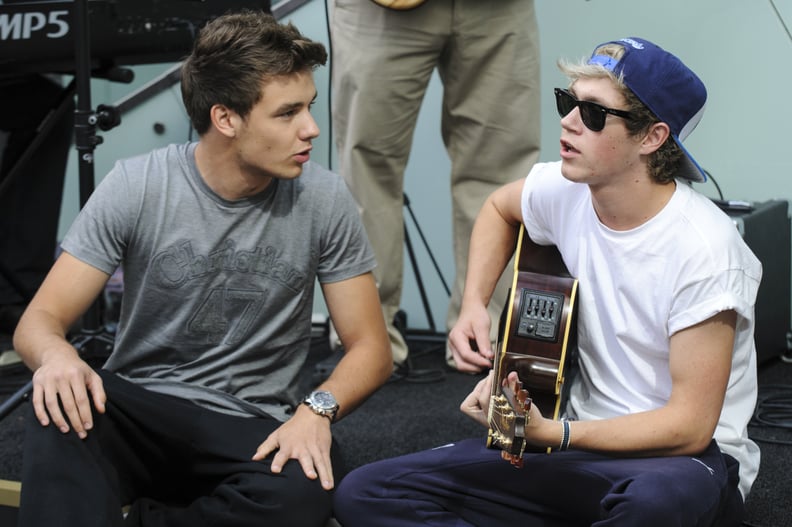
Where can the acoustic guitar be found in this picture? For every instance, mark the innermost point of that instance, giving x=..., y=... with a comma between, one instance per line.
x=399, y=5
x=536, y=336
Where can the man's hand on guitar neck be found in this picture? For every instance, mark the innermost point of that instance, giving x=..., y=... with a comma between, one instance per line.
x=469, y=340
x=476, y=404
x=540, y=432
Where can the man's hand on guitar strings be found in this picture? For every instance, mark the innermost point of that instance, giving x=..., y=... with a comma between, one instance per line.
x=469, y=341
x=476, y=404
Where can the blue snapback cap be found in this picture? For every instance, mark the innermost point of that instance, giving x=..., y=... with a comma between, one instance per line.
x=666, y=86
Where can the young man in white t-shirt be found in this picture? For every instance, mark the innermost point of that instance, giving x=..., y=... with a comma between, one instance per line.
x=655, y=427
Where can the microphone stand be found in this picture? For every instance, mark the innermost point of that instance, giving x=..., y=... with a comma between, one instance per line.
x=92, y=339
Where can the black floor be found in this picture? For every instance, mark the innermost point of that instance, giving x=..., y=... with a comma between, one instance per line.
x=420, y=409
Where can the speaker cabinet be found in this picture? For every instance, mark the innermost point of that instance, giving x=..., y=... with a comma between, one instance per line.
x=765, y=227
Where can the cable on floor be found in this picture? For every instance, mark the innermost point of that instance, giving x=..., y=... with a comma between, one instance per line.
x=773, y=410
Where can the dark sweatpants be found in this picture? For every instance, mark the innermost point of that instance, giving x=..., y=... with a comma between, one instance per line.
x=150, y=449
x=467, y=484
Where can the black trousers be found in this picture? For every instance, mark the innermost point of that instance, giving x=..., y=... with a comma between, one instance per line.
x=177, y=465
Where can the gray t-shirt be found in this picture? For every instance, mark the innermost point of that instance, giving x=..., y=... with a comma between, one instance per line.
x=218, y=294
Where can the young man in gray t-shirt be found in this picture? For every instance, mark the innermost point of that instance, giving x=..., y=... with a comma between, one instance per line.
x=195, y=418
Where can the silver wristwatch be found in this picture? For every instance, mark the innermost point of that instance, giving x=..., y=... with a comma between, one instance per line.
x=322, y=403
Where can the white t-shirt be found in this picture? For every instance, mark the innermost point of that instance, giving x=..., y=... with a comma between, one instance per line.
x=637, y=288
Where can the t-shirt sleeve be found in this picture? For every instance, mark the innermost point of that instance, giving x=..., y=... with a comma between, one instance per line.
x=733, y=286
x=99, y=234
x=345, y=248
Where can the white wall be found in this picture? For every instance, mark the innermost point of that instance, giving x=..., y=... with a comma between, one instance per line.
x=740, y=49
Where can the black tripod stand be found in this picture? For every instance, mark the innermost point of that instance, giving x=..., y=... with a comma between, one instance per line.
x=432, y=331
x=407, y=371
x=93, y=341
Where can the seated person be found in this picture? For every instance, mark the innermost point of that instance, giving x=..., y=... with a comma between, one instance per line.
x=36, y=129
x=654, y=431
x=196, y=417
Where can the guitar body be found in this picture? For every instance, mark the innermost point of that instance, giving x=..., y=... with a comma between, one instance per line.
x=536, y=337
x=399, y=5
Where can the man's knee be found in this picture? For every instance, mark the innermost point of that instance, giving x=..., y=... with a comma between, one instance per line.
x=661, y=500
x=292, y=496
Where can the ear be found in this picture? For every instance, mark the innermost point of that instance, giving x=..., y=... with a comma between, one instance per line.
x=655, y=137
x=224, y=120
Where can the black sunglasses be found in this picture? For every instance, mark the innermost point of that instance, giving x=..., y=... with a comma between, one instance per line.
x=592, y=114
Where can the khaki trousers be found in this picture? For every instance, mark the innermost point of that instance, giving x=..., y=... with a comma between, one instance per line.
x=487, y=57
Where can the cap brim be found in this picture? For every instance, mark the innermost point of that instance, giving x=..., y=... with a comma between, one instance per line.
x=689, y=168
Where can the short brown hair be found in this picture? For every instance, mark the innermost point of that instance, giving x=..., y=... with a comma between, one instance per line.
x=234, y=54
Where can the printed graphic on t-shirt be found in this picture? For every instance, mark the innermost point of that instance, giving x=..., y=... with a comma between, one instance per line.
x=225, y=314
x=179, y=264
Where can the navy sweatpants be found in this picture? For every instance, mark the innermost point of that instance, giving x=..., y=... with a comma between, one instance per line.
x=176, y=463
x=467, y=484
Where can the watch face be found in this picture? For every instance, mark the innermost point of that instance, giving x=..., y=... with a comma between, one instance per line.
x=323, y=400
